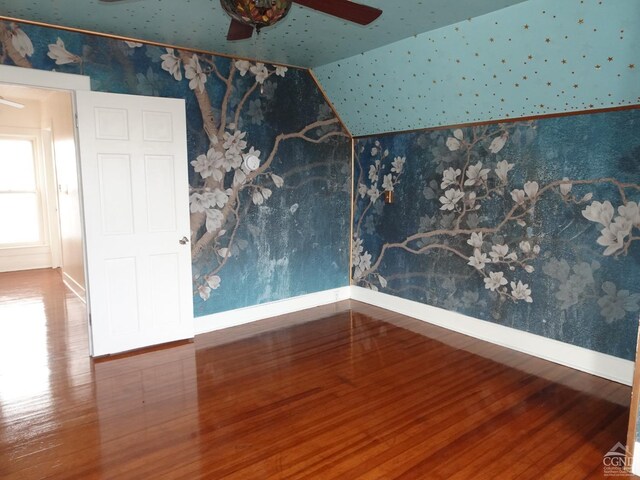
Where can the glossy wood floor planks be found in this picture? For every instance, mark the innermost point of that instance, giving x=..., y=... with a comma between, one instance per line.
x=344, y=391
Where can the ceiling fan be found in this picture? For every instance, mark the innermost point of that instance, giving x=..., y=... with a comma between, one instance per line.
x=249, y=15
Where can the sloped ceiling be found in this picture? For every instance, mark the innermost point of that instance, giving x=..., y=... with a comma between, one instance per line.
x=539, y=57
x=305, y=38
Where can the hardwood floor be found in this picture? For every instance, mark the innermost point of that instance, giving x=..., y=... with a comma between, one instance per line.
x=345, y=391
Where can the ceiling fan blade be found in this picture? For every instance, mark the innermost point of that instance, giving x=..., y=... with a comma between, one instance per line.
x=354, y=12
x=239, y=31
x=9, y=103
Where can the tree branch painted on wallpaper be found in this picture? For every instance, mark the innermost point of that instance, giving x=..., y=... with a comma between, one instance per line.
x=241, y=117
x=496, y=223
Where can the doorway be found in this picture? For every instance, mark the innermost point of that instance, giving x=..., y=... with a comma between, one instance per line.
x=39, y=194
x=43, y=314
x=132, y=166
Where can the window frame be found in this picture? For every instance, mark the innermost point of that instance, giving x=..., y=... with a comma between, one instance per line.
x=35, y=137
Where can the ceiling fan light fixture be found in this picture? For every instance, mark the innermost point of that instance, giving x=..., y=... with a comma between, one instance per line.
x=257, y=13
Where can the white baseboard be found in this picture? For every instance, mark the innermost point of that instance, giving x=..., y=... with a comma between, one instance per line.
x=595, y=363
x=74, y=286
x=240, y=316
x=24, y=258
x=635, y=463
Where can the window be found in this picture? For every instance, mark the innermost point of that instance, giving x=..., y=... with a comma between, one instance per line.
x=20, y=206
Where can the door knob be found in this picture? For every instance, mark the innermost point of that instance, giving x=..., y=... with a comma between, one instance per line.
x=183, y=241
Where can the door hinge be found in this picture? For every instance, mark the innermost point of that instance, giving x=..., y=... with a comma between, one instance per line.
x=90, y=321
x=77, y=124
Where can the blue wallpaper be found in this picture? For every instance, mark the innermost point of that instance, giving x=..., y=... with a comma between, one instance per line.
x=533, y=58
x=533, y=225
x=269, y=163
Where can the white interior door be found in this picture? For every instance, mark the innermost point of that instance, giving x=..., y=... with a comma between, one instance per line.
x=133, y=161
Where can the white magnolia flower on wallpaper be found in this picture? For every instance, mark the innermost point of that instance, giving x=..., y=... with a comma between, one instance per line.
x=450, y=198
x=398, y=164
x=133, y=44
x=387, y=182
x=209, y=165
x=498, y=143
x=518, y=196
x=498, y=252
x=476, y=174
x=450, y=177
x=280, y=70
x=373, y=193
x=454, y=143
x=476, y=240
x=231, y=161
x=278, y=181
x=171, y=63
x=525, y=246
x=217, y=197
x=204, y=291
x=198, y=203
x=531, y=189
x=478, y=260
x=213, y=281
x=243, y=66
x=630, y=212
x=260, y=71
x=613, y=236
x=616, y=230
x=494, y=281
x=21, y=42
x=521, y=291
x=59, y=53
x=565, y=188
x=214, y=220
x=470, y=200
x=239, y=177
x=260, y=194
x=360, y=258
x=502, y=169
x=234, y=143
x=373, y=173
x=599, y=212
x=356, y=250
x=362, y=190
x=193, y=71
x=614, y=304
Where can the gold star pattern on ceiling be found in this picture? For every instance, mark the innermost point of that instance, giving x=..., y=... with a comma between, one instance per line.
x=507, y=73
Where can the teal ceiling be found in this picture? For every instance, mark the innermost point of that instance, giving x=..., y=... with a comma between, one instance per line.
x=305, y=38
x=539, y=57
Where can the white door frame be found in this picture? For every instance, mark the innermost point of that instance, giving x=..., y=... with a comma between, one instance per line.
x=70, y=83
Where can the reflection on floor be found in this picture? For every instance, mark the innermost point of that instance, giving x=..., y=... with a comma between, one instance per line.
x=331, y=392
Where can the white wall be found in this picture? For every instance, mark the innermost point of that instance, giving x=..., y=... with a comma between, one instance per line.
x=57, y=116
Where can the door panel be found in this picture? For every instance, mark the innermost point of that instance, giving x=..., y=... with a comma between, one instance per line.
x=116, y=198
x=135, y=187
x=161, y=213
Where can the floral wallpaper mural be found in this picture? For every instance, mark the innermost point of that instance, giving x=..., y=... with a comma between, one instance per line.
x=269, y=162
x=534, y=225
